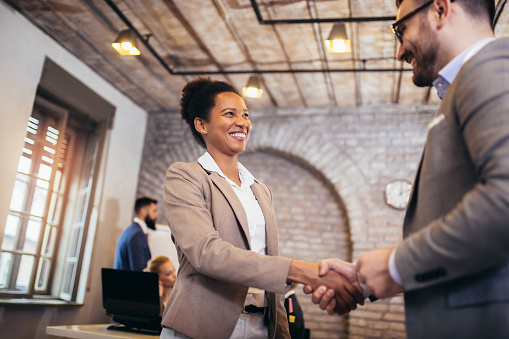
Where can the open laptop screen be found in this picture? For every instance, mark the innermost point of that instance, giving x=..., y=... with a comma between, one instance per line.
x=132, y=298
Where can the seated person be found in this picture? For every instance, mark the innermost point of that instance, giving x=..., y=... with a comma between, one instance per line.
x=167, y=275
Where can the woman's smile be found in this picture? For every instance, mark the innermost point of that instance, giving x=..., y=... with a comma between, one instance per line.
x=241, y=136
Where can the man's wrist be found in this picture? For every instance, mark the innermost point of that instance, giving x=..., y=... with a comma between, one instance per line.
x=393, y=270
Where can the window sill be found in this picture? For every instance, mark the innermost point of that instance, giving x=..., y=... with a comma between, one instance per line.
x=43, y=301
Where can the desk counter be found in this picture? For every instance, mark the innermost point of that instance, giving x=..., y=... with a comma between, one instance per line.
x=97, y=331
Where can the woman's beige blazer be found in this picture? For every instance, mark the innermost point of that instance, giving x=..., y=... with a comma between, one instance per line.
x=210, y=231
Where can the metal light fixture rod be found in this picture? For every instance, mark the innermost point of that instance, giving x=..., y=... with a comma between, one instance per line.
x=250, y=71
x=316, y=20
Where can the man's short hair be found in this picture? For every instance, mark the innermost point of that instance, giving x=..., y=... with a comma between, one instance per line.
x=142, y=202
x=476, y=8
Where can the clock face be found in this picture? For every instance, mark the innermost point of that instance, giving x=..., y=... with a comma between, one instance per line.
x=397, y=193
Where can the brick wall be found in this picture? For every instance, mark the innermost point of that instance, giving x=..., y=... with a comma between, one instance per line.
x=327, y=168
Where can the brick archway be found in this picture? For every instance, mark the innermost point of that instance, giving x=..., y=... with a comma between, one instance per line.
x=320, y=156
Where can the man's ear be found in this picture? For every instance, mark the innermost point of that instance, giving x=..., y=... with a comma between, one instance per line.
x=441, y=12
x=200, y=125
x=143, y=212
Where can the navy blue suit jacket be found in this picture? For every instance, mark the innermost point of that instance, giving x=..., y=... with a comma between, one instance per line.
x=132, y=252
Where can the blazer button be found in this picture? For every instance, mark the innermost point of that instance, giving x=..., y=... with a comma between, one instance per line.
x=431, y=275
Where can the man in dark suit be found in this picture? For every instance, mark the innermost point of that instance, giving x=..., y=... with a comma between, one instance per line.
x=132, y=251
x=453, y=264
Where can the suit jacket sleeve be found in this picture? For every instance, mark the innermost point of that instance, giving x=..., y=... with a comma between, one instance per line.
x=474, y=235
x=196, y=234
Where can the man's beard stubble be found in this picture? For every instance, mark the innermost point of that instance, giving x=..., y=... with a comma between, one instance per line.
x=150, y=223
x=424, y=74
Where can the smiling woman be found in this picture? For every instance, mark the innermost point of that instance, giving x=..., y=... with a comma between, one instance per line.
x=227, y=130
x=231, y=279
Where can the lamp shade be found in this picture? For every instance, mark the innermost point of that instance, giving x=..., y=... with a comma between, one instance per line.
x=338, y=41
x=252, y=89
x=126, y=43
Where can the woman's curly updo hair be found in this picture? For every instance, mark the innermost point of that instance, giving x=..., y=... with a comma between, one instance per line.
x=198, y=98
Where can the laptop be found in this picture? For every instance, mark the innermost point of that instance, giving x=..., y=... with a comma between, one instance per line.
x=131, y=298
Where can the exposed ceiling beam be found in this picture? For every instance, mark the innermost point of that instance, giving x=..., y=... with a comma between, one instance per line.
x=289, y=64
x=178, y=14
x=245, y=50
x=354, y=45
x=321, y=50
x=155, y=21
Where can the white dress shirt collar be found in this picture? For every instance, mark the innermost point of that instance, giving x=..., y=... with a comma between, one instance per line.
x=142, y=224
x=447, y=74
x=209, y=164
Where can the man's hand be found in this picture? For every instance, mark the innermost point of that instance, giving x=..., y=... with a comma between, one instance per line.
x=345, y=294
x=344, y=268
x=373, y=268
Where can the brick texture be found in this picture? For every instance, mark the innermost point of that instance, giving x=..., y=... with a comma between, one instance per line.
x=312, y=225
x=327, y=168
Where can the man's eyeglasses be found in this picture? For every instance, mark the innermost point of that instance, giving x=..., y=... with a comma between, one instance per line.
x=405, y=18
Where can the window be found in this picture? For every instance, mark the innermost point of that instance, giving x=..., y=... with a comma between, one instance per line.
x=49, y=213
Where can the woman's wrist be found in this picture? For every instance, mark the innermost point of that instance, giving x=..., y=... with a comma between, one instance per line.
x=303, y=272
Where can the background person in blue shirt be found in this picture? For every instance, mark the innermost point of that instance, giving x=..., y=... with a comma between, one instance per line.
x=132, y=252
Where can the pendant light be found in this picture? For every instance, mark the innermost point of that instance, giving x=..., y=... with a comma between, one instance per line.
x=126, y=43
x=252, y=89
x=338, y=41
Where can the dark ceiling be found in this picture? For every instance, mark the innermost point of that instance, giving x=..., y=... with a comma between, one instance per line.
x=226, y=39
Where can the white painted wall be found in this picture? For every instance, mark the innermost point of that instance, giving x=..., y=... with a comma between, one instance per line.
x=22, y=54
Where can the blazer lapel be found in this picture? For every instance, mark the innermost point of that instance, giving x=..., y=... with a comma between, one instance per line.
x=413, y=198
x=270, y=219
x=234, y=202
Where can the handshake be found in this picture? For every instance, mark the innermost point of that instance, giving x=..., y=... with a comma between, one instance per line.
x=338, y=286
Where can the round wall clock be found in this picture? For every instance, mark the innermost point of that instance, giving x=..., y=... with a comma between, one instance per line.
x=397, y=193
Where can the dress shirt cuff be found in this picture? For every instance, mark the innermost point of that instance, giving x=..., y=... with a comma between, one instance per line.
x=393, y=270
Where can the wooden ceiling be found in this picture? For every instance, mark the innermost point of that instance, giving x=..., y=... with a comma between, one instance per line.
x=225, y=36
